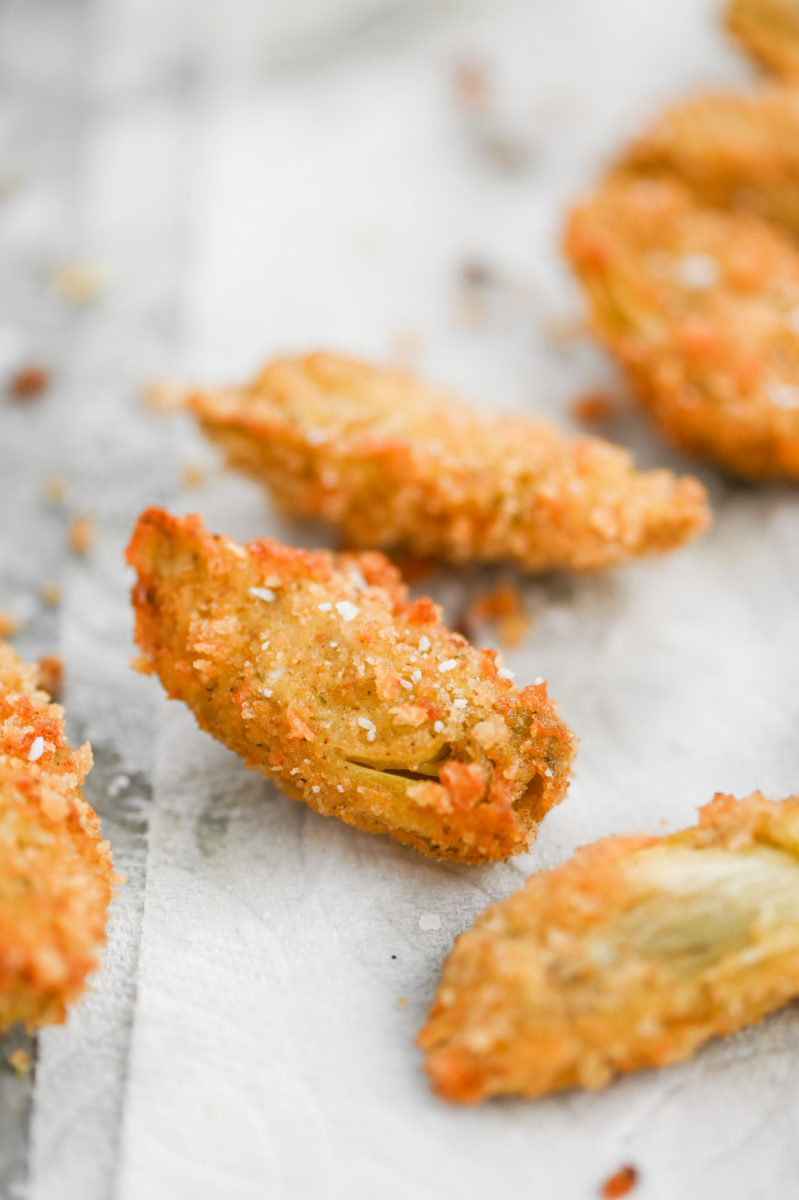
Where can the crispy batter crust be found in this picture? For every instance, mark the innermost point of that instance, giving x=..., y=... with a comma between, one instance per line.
x=630, y=955
x=769, y=31
x=316, y=669
x=393, y=463
x=735, y=150
x=702, y=308
x=56, y=877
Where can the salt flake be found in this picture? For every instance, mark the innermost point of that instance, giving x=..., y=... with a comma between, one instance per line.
x=347, y=610
x=697, y=272
x=356, y=575
x=783, y=395
x=37, y=749
x=369, y=726
x=263, y=593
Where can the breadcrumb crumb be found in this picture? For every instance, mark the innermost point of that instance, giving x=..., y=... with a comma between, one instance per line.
x=21, y=1063
x=79, y=283
x=471, y=84
x=502, y=606
x=29, y=382
x=164, y=396
x=620, y=1183
x=594, y=408
x=82, y=532
x=50, y=675
x=56, y=488
x=9, y=624
x=193, y=475
x=51, y=594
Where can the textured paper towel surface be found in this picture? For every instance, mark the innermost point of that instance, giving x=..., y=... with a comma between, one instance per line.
x=259, y=177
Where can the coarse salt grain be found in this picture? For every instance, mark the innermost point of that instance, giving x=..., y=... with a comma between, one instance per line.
x=406, y=683
x=315, y=788
x=449, y=664
x=424, y=643
x=325, y=607
x=783, y=395
x=263, y=593
x=429, y=921
x=538, y=679
x=347, y=610
x=438, y=727
x=504, y=673
x=460, y=703
x=369, y=726
x=37, y=749
x=416, y=675
x=267, y=692
x=697, y=271
x=356, y=575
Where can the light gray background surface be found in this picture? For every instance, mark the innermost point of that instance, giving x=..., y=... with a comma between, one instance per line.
x=255, y=177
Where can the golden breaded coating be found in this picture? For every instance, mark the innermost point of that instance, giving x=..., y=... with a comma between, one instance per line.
x=630, y=955
x=735, y=150
x=316, y=669
x=769, y=31
x=702, y=308
x=56, y=875
x=395, y=464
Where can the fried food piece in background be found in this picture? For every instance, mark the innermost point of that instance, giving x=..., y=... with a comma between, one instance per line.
x=735, y=150
x=56, y=875
x=702, y=308
x=317, y=670
x=769, y=31
x=395, y=464
x=632, y=954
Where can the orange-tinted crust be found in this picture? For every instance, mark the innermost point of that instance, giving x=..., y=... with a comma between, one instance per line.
x=393, y=463
x=56, y=875
x=630, y=955
x=769, y=31
x=733, y=150
x=702, y=308
x=351, y=698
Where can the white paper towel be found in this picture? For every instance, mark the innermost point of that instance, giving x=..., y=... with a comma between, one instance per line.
x=263, y=177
